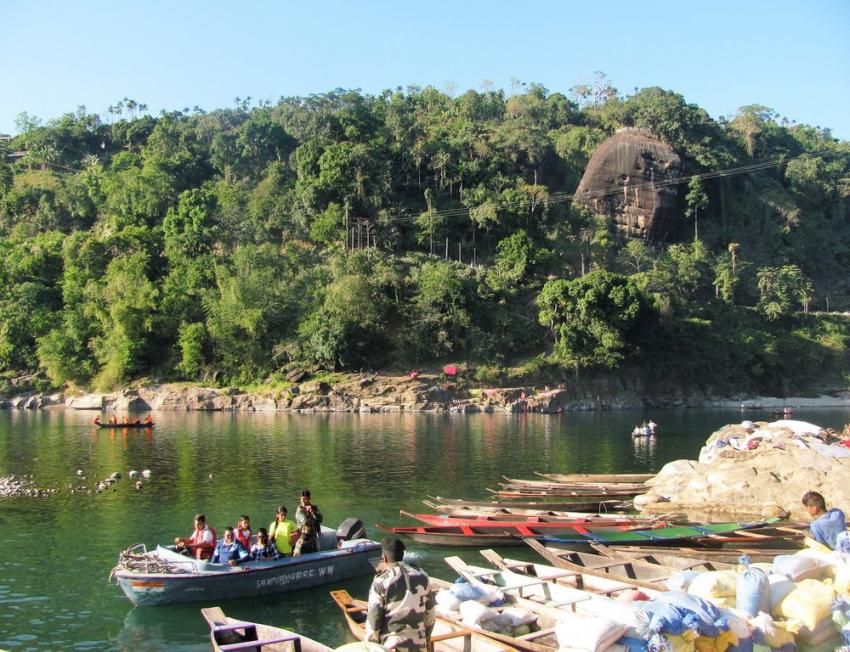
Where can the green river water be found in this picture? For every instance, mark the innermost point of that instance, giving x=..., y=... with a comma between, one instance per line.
x=56, y=552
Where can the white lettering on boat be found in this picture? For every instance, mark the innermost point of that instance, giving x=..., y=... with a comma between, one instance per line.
x=297, y=576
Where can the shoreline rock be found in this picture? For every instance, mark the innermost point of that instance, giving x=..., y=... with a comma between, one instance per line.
x=753, y=472
x=382, y=393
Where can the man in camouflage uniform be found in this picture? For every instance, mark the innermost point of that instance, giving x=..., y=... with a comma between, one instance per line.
x=401, y=605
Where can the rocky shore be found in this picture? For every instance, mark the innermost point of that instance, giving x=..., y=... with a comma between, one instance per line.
x=394, y=393
x=754, y=470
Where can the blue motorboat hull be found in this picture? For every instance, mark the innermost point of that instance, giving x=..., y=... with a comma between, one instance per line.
x=207, y=582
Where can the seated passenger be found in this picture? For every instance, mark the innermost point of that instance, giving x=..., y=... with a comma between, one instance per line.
x=202, y=542
x=96, y=420
x=263, y=549
x=113, y=420
x=243, y=531
x=137, y=421
x=149, y=420
x=281, y=532
x=229, y=550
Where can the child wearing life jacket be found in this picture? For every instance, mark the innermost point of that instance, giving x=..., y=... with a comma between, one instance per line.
x=243, y=531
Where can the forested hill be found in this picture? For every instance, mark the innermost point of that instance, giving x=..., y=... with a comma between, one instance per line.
x=345, y=230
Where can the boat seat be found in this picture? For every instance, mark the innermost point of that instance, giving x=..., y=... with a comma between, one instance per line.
x=258, y=645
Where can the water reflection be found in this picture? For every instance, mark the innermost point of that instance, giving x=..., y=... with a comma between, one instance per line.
x=644, y=448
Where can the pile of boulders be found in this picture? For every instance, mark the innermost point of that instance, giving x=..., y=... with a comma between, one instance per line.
x=754, y=470
x=11, y=485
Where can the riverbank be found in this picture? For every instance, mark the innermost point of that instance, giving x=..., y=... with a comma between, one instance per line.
x=384, y=392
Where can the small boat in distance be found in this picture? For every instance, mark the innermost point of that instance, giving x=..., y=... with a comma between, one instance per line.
x=597, y=478
x=121, y=426
x=228, y=634
x=600, y=506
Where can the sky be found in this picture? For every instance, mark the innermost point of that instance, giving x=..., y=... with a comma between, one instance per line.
x=791, y=56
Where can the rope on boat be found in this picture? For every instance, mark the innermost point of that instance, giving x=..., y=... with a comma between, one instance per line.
x=137, y=559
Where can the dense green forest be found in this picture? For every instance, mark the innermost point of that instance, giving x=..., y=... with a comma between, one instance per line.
x=347, y=231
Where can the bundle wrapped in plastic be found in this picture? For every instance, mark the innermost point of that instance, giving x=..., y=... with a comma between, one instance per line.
x=771, y=633
x=447, y=602
x=809, y=603
x=800, y=567
x=710, y=621
x=475, y=614
x=479, y=592
x=720, y=643
x=752, y=592
x=682, y=580
x=780, y=587
x=657, y=617
x=718, y=586
x=587, y=632
x=841, y=616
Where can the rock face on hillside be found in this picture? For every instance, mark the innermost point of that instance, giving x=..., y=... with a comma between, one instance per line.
x=630, y=162
x=746, y=472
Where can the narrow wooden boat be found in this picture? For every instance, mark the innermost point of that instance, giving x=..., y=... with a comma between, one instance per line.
x=231, y=635
x=521, y=492
x=504, y=535
x=651, y=557
x=537, y=523
x=640, y=573
x=600, y=506
x=695, y=533
x=588, y=575
x=448, y=635
x=680, y=556
x=164, y=576
x=121, y=426
x=607, y=478
x=517, y=514
x=550, y=595
x=549, y=485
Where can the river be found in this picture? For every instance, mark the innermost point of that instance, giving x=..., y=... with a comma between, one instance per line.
x=56, y=552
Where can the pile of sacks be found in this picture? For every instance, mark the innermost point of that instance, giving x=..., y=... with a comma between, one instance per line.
x=798, y=602
x=752, y=470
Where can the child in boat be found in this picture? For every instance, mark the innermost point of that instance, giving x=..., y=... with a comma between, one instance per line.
x=282, y=531
x=263, y=549
x=243, y=531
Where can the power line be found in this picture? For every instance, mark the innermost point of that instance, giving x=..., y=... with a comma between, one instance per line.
x=558, y=198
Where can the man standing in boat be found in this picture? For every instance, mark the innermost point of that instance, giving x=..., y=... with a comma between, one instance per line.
x=402, y=609
x=308, y=518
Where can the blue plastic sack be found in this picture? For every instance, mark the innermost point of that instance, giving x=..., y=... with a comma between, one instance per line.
x=752, y=591
x=709, y=621
x=667, y=618
x=465, y=591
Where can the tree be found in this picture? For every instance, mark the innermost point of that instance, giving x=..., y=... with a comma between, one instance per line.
x=634, y=253
x=779, y=288
x=695, y=200
x=594, y=319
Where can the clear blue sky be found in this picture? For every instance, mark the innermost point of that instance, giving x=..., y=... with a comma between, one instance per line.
x=793, y=57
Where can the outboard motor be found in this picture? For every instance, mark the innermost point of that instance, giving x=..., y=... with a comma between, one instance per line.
x=349, y=529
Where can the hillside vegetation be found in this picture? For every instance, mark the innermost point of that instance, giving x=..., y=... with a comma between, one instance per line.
x=346, y=231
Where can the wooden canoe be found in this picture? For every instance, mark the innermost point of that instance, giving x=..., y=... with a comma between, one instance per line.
x=599, y=506
x=643, y=574
x=503, y=535
x=549, y=485
x=448, y=635
x=540, y=594
x=593, y=575
x=231, y=635
x=607, y=478
x=541, y=515
x=681, y=557
x=537, y=523
x=521, y=492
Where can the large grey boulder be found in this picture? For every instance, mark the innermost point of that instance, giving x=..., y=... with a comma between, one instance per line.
x=620, y=182
x=743, y=474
